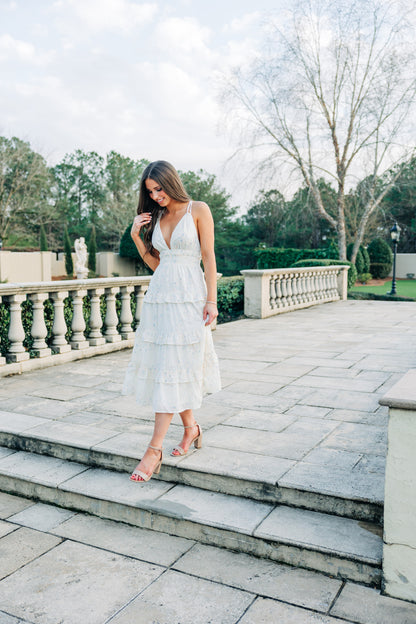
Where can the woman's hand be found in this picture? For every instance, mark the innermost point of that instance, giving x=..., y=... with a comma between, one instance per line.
x=142, y=219
x=210, y=313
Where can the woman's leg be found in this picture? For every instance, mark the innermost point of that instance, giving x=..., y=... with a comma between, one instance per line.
x=191, y=432
x=151, y=456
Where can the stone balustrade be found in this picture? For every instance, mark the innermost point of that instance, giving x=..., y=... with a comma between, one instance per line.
x=399, y=536
x=273, y=291
x=89, y=334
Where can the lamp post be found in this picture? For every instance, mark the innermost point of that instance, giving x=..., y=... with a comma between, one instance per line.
x=395, y=236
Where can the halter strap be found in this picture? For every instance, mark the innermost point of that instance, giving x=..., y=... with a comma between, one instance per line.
x=189, y=208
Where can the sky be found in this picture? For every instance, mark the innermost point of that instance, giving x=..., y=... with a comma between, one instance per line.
x=137, y=77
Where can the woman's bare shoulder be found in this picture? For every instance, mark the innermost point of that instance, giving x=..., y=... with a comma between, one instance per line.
x=200, y=208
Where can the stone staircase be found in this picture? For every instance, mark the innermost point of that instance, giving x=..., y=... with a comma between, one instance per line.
x=306, y=528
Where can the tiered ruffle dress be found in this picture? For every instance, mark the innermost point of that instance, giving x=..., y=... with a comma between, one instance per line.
x=173, y=363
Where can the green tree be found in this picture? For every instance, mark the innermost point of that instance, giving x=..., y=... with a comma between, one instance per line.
x=400, y=205
x=43, y=241
x=265, y=219
x=24, y=188
x=69, y=265
x=229, y=246
x=79, y=191
x=92, y=250
x=122, y=179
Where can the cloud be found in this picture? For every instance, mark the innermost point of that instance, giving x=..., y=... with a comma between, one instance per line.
x=96, y=16
x=12, y=49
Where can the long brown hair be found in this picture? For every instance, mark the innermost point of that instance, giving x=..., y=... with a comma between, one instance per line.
x=168, y=179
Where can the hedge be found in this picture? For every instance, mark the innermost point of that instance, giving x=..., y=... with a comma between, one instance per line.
x=352, y=273
x=282, y=258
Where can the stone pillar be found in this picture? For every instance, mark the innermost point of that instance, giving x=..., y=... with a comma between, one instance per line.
x=257, y=293
x=96, y=322
x=39, y=331
x=59, y=328
x=111, y=318
x=343, y=282
x=126, y=317
x=78, y=323
x=16, y=335
x=399, y=548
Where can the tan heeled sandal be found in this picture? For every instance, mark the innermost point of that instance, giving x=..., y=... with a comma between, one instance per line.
x=197, y=442
x=140, y=476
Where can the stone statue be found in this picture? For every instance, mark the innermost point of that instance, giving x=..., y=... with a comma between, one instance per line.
x=81, y=269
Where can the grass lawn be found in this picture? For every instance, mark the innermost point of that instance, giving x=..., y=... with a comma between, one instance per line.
x=404, y=288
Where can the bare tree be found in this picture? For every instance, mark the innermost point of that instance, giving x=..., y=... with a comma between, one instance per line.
x=331, y=94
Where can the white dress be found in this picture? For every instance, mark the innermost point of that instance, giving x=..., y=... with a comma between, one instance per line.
x=173, y=363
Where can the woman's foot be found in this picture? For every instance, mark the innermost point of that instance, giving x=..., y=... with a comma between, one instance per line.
x=149, y=465
x=192, y=434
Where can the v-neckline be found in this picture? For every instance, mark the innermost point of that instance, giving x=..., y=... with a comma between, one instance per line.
x=160, y=228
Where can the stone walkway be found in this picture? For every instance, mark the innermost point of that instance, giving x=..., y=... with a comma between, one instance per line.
x=299, y=407
x=60, y=567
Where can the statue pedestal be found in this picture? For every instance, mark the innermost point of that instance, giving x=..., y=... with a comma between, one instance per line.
x=82, y=274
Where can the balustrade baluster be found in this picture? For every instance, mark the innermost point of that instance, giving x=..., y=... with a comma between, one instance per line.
x=78, y=340
x=111, y=319
x=59, y=328
x=289, y=289
x=278, y=289
x=126, y=317
x=272, y=292
x=295, y=291
x=319, y=293
x=283, y=283
x=96, y=337
x=302, y=287
x=16, y=335
x=313, y=290
x=38, y=329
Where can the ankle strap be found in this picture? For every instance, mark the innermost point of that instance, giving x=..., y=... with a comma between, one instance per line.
x=156, y=448
x=191, y=426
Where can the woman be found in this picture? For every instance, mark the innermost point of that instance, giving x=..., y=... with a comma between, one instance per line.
x=173, y=362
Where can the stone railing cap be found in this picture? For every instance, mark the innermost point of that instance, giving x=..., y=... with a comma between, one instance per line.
x=403, y=394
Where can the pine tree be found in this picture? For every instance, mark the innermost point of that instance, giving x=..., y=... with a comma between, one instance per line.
x=43, y=241
x=69, y=265
x=92, y=251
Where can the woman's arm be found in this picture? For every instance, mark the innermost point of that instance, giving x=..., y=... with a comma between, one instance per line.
x=143, y=219
x=205, y=227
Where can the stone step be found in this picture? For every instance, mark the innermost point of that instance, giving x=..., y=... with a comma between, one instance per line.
x=218, y=470
x=340, y=547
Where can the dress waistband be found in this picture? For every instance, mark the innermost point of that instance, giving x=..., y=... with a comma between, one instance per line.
x=179, y=257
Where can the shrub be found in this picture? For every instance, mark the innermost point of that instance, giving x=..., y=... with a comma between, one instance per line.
x=43, y=241
x=366, y=259
x=230, y=298
x=359, y=260
x=381, y=258
x=92, y=251
x=69, y=265
x=352, y=273
x=363, y=278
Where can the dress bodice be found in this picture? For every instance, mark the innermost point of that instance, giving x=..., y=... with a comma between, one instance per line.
x=184, y=243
